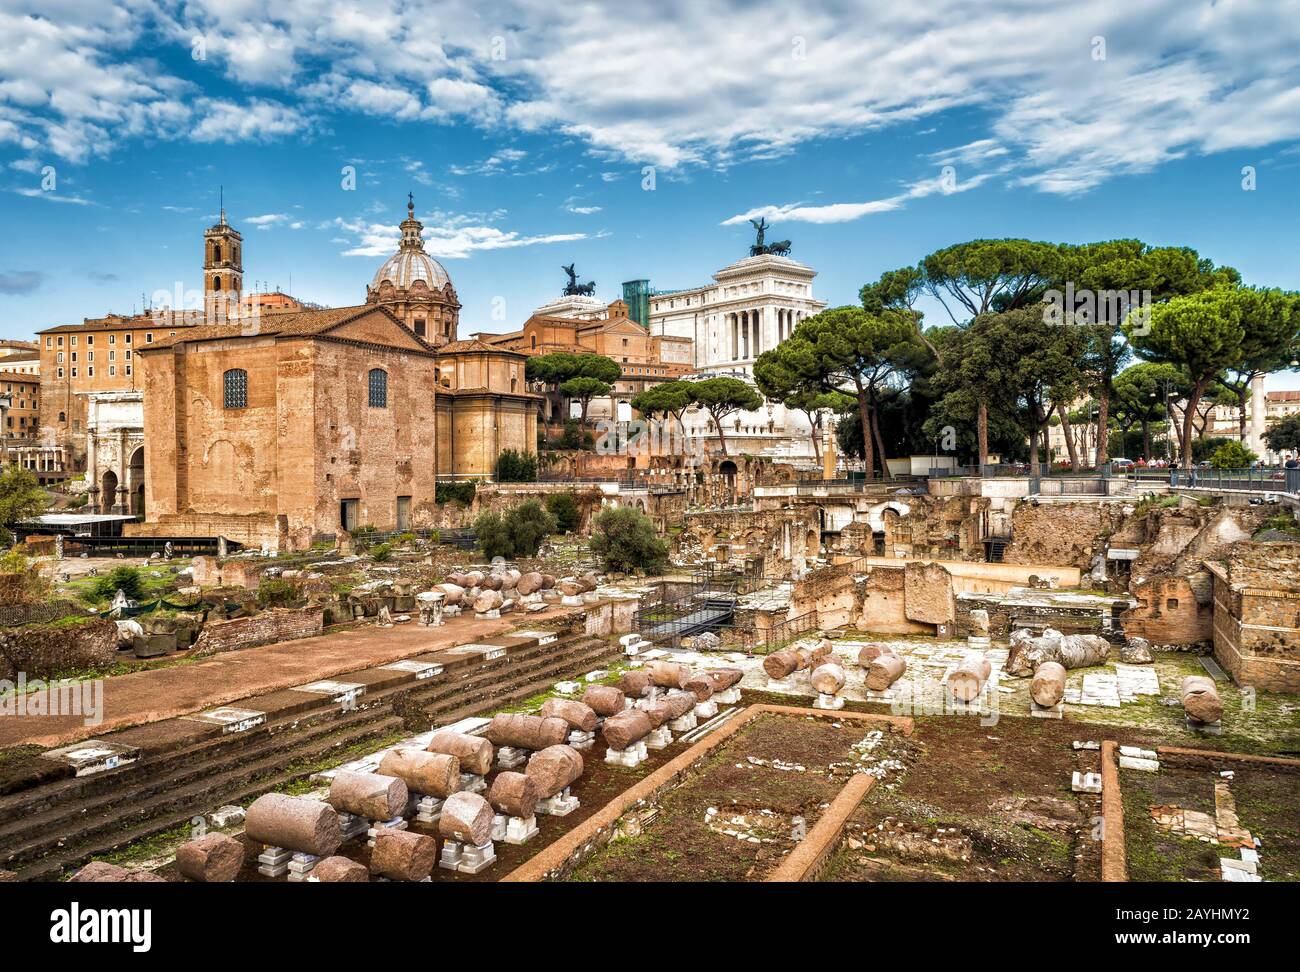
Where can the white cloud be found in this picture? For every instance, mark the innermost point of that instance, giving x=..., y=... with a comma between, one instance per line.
x=53, y=196
x=846, y=212
x=446, y=236
x=256, y=121
x=700, y=82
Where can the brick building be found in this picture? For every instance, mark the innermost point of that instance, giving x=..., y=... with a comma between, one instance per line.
x=1257, y=615
x=321, y=419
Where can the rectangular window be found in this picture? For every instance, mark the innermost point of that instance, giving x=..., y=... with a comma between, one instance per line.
x=148, y=338
x=128, y=339
x=112, y=339
x=90, y=355
x=49, y=342
x=74, y=372
x=74, y=340
x=90, y=339
x=112, y=371
x=90, y=372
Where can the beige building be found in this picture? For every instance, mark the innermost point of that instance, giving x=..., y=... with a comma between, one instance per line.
x=483, y=409
x=578, y=328
x=323, y=419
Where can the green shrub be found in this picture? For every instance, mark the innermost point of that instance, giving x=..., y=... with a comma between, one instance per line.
x=516, y=467
x=404, y=539
x=571, y=438
x=125, y=579
x=275, y=592
x=1232, y=455
x=21, y=578
x=519, y=533
x=462, y=493
x=381, y=553
x=1203, y=449
x=624, y=539
x=564, y=507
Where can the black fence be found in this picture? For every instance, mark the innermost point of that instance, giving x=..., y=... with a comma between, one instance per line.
x=145, y=546
x=1272, y=480
x=674, y=610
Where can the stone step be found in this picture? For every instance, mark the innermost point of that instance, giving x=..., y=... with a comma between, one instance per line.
x=75, y=851
x=214, y=778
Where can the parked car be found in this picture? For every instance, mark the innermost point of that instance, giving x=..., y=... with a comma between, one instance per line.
x=1122, y=463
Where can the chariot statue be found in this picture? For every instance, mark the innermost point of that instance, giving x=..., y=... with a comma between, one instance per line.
x=762, y=248
x=575, y=289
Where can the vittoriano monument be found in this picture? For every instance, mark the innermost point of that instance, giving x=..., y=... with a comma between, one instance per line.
x=575, y=289
x=760, y=248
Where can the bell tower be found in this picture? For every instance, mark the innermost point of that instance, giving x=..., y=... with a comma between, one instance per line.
x=223, y=270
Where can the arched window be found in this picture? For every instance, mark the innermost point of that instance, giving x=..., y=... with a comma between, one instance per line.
x=235, y=383
x=378, y=388
x=216, y=283
x=216, y=253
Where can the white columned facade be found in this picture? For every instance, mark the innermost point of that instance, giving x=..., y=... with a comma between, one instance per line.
x=751, y=307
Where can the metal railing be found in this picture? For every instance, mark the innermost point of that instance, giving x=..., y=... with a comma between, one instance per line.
x=1272, y=480
x=783, y=632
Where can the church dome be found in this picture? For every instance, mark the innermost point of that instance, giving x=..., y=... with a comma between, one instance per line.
x=405, y=267
x=410, y=263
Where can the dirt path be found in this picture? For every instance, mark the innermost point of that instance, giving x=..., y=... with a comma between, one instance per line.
x=164, y=693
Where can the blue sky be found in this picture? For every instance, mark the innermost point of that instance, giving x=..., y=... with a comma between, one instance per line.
x=524, y=133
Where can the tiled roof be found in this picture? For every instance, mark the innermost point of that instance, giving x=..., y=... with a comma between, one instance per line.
x=284, y=324
x=15, y=376
x=462, y=347
x=138, y=322
x=1282, y=396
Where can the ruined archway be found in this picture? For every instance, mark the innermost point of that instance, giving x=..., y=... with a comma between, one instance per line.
x=108, y=492
x=135, y=481
x=813, y=544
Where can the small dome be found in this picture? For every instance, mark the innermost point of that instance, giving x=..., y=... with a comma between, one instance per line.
x=406, y=266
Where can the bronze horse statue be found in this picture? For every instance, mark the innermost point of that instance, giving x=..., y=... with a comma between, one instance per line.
x=760, y=248
x=575, y=289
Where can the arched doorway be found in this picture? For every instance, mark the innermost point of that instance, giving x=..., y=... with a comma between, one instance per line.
x=727, y=470
x=814, y=544
x=107, y=492
x=135, y=481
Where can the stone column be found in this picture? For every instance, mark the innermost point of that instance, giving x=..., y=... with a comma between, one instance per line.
x=1258, y=414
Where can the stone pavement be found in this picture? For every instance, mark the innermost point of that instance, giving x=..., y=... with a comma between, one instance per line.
x=164, y=693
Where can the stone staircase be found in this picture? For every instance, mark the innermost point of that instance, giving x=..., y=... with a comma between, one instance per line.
x=177, y=769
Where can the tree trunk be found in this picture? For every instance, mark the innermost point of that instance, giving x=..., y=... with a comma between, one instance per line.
x=722, y=436
x=1103, y=420
x=1146, y=440
x=868, y=446
x=982, y=434
x=817, y=448
x=880, y=445
x=1189, y=418
x=1069, y=437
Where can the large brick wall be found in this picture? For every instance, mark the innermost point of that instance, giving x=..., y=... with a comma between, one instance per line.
x=1172, y=610
x=261, y=629
x=1059, y=533
x=1257, y=631
x=46, y=650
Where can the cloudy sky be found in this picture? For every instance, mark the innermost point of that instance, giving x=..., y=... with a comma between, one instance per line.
x=634, y=139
